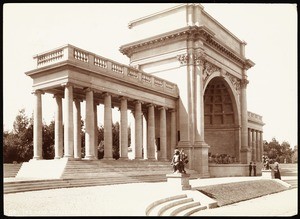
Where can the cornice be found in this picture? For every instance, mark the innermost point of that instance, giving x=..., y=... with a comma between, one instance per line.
x=186, y=33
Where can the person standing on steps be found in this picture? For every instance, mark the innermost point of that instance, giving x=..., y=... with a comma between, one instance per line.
x=250, y=168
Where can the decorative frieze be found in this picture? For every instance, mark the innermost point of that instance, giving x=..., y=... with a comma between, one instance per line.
x=183, y=58
x=209, y=68
x=234, y=80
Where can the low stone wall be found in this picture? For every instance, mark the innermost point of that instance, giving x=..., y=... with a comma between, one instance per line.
x=234, y=169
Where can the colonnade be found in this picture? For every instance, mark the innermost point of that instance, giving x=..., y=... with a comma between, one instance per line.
x=67, y=131
x=255, y=142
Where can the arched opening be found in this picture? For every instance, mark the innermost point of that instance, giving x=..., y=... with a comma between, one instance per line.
x=220, y=124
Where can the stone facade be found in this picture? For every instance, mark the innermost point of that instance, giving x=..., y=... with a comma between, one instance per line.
x=193, y=95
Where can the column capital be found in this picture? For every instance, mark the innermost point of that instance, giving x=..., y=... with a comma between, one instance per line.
x=58, y=95
x=38, y=91
x=199, y=58
x=244, y=83
x=78, y=99
x=172, y=110
x=123, y=98
x=163, y=108
x=67, y=84
x=106, y=94
x=150, y=104
x=138, y=101
x=87, y=89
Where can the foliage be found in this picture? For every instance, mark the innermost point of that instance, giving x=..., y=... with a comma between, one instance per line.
x=17, y=144
x=278, y=152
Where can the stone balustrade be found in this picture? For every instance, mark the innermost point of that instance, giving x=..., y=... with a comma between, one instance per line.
x=254, y=116
x=105, y=66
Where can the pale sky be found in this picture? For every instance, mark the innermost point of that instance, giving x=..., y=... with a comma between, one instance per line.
x=270, y=31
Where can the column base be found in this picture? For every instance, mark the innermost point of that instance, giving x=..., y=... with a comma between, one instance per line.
x=37, y=158
x=89, y=157
x=58, y=157
x=77, y=158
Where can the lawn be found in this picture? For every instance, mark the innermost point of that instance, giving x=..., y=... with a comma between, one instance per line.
x=230, y=193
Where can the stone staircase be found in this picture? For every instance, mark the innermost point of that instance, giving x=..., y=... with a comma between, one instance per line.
x=97, y=173
x=11, y=170
x=179, y=205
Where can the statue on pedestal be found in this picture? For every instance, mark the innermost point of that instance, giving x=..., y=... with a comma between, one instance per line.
x=178, y=161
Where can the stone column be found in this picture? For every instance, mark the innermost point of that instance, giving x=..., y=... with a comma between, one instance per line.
x=38, y=126
x=132, y=133
x=89, y=125
x=253, y=145
x=107, y=127
x=77, y=129
x=151, y=132
x=163, y=133
x=138, y=129
x=144, y=122
x=96, y=129
x=68, y=124
x=173, y=131
x=250, y=141
x=257, y=146
x=58, y=144
x=245, y=150
x=124, y=129
x=261, y=145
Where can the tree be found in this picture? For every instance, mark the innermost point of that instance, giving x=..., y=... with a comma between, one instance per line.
x=18, y=144
x=278, y=152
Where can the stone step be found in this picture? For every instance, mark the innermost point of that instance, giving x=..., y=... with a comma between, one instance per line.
x=174, y=211
x=161, y=208
x=191, y=211
x=11, y=170
x=160, y=201
x=23, y=186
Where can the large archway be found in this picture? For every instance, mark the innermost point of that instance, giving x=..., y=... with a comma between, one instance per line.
x=221, y=120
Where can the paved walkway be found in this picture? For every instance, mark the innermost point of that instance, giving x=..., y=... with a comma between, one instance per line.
x=132, y=200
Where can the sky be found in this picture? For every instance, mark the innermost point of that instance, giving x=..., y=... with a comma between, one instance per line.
x=270, y=31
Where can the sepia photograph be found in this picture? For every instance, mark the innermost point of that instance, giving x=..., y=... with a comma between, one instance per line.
x=150, y=109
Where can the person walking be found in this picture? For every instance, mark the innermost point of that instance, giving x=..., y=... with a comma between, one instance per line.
x=276, y=171
x=250, y=168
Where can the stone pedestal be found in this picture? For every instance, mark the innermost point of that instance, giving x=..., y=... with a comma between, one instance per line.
x=267, y=174
x=179, y=181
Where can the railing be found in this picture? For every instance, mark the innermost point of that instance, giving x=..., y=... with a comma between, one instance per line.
x=104, y=65
x=254, y=116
